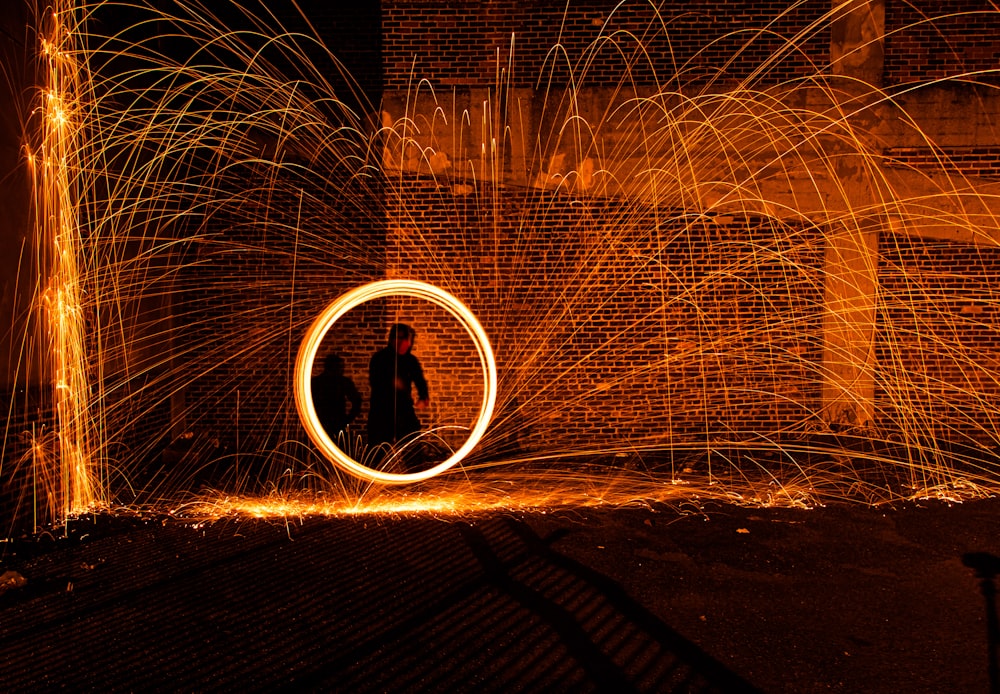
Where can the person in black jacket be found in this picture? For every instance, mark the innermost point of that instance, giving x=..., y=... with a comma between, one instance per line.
x=332, y=392
x=393, y=373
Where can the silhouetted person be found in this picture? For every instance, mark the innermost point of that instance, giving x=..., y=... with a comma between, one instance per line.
x=393, y=372
x=332, y=393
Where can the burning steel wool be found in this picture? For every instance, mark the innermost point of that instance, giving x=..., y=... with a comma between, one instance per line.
x=697, y=286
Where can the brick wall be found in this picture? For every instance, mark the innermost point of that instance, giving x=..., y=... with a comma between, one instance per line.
x=469, y=43
x=960, y=38
x=980, y=162
x=616, y=325
x=270, y=261
x=937, y=354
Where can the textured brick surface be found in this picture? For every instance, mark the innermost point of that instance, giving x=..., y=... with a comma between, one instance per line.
x=938, y=321
x=596, y=42
x=616, y=323
x=961, y=38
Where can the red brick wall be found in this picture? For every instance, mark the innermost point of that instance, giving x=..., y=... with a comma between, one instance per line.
x=981, y=162
x=616, y=325
x=255, y=275
x=962, y=37
x=575, y=292
x=938, y=343
x=468, y=43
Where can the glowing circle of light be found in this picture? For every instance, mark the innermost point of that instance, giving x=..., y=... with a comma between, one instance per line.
x=328, y=318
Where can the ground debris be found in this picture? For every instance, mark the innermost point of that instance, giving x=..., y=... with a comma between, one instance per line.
x=11, y=579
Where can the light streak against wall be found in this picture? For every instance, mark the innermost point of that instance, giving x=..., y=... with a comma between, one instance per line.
x=216, y=170
x=328, y=319
x=71, y=478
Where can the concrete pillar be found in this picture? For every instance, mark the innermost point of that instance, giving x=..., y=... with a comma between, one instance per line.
x=851, y=263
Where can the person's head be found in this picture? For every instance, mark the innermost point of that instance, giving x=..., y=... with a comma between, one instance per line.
x=401, y=337
x=333, y=363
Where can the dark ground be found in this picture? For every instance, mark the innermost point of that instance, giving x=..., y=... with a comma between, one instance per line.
x=842, y=598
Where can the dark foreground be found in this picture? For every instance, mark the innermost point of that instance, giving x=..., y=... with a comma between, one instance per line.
x=844, y=599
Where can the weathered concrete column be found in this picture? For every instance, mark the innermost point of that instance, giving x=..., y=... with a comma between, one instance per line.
x=851, y=263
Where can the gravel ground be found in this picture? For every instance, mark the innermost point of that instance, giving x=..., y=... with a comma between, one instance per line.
x=842, y=598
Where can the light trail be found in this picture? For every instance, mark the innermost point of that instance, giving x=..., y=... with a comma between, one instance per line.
x=72, y=477
x=329, y=317
x=206, y=188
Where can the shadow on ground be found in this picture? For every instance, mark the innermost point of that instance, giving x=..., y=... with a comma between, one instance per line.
x=417, y=605
x=608, y=600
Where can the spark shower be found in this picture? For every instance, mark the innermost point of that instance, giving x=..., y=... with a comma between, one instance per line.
x=684, y=280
